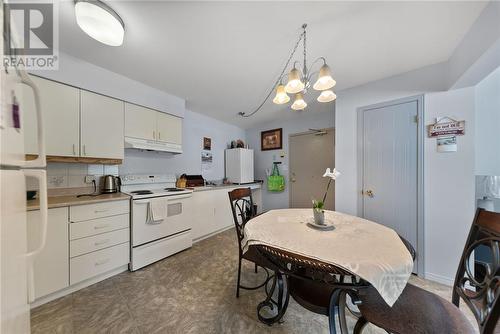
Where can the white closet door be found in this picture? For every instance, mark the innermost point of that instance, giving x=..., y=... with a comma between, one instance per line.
x=61, y=109
x=140, y=122
x=169, y=128
x=101, y=126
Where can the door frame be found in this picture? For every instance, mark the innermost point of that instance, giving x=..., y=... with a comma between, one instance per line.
x=332, y=129
x=420, y=167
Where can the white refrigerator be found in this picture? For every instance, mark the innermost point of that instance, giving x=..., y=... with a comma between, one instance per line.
x=16, y=281
x=239, y=165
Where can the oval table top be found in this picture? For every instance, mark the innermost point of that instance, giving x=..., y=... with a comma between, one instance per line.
x=369, y=250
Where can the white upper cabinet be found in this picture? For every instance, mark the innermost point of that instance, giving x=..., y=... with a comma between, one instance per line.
x=140, y=122
x=101, y=126
x=169, y=128
x=61, y=109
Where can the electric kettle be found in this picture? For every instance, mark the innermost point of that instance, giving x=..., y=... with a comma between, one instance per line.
x=110, y=184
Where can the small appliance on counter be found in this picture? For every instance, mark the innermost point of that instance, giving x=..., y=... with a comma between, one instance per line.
x=194, y=180
x=110, y=184
x=239, y=165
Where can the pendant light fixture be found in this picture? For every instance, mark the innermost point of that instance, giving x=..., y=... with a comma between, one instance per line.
x=299, y=103
x=100, y=22
x=326, y=96
x=281, y=96
x=299, y=80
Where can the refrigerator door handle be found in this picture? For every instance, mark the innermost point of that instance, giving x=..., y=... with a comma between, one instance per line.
x=41, y=176
x=40, y=161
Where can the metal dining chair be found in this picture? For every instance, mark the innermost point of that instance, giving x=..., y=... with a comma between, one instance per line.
x=243, y=209
x=420, y=311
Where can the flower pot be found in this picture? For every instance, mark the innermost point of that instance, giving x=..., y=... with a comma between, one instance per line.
x=319, y=217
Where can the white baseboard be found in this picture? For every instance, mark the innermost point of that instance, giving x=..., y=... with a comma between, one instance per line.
x=440, y=279
x=78, y=286
x=213, y=233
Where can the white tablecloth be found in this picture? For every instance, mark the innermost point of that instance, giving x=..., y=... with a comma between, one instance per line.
x=367, y=249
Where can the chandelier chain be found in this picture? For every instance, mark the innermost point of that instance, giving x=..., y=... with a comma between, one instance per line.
x=302, y=36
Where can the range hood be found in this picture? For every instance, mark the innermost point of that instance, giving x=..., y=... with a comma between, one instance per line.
x=152, y=145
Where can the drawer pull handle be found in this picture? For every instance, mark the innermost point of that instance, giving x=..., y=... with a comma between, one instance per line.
x=98, y=227
x=98, y=243
x=101, y=262
x=100, y=211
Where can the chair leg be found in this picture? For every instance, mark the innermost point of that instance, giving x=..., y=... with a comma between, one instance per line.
x=256, y=268
x=239, y=276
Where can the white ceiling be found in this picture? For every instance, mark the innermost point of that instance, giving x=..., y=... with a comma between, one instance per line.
x=222, y=57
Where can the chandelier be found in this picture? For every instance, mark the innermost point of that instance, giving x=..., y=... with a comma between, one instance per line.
x=298, y=81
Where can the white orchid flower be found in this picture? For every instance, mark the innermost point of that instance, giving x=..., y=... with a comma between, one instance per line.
x=331, y=174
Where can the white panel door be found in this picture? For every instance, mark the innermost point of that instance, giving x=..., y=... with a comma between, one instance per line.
x=390, y=167
x=51, y=266
x=101, y=126
x=140, y=122
x=169, y=128
x=61, y=111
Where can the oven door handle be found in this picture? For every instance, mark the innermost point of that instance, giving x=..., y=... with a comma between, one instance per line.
x=178, y=197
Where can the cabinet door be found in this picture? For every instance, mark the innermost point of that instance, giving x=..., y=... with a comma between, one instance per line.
x=101, y=126
x=140, y=122
x=169, y=128
x=202, y=214
x=223, y=212
x=51, y=266
x=61, y=111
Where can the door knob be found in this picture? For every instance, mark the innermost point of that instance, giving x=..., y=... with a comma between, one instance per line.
x=369, y=193
x=292, y=178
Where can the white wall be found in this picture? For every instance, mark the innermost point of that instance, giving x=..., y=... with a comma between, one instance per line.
x=79, y=73
x=427, y=79
x=449, y=186
x=196, y=126
x=264, y=159
x=488, y=125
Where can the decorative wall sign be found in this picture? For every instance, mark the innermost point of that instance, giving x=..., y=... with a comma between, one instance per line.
x=447, y=144
x=207, y=143
x=446, y=126
x=271, y=140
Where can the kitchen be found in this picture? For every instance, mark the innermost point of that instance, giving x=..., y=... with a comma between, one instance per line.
x=125, y=151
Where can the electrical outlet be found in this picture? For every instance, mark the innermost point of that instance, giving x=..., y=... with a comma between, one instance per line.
x=89, y=178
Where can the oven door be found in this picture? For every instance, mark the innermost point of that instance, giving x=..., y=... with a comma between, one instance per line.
x=176, y=221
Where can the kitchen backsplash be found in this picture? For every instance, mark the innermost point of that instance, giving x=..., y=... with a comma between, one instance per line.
x=72, y=175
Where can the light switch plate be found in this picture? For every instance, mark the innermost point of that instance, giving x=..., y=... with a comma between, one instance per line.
x=89, y=178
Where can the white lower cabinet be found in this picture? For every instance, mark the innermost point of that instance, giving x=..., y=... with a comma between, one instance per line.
x=83, y=242
x=51, y=266
x=212, y=210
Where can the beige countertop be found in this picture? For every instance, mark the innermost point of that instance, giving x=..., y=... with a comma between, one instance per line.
x=62, y=201
x=253, y=185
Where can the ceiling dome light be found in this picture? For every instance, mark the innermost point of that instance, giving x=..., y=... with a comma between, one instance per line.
x=100, y=22
x=299, y=103
x=281, y=97
x=294, y=84
x=325, y=80
x=326, y=96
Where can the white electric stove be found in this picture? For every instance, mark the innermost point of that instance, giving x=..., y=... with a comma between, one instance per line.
x=152, y=241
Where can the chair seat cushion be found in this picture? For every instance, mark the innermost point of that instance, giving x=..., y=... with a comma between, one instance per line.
x=415, y=311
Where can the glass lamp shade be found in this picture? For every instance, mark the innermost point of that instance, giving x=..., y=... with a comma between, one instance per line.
x=325, y=80
x=326, y=96
x=281, y=96
x=100, y=22
x=294, y=84
x=299, y=103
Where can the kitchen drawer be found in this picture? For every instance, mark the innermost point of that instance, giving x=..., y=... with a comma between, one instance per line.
x=92, y=211
x=100, y=241
x=97, y=226
x=89, y=265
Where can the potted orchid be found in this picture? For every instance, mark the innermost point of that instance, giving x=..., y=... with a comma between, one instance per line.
x=318, y=206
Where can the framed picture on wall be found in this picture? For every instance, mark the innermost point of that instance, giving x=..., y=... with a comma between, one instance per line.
x=271, y=139
x=207, y=143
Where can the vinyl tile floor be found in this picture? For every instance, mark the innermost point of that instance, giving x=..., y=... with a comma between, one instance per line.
x=190, y=292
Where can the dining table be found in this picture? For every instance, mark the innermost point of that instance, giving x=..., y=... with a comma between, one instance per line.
x=351, y=254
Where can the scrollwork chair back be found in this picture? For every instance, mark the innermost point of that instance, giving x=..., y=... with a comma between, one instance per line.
x=480, y=289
